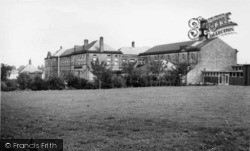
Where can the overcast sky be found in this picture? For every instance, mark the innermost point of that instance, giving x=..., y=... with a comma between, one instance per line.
x=31, y=28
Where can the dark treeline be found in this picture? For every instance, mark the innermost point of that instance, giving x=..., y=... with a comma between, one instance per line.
x=131, y=75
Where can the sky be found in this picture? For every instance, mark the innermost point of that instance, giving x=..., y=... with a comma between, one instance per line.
x=31, y=28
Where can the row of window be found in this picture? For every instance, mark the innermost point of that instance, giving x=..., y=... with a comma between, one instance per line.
x=128, y=60
x=231, y=74
x=64, y=61
x=238, y=68
x=192, y=56
x=79, y=59
x=108, y=60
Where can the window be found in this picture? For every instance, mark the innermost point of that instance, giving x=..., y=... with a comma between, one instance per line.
x=183, y=56
x=108, y=61
x=162, y=56
x=192, y=56
x=156, y=57
x=94, y=58
x=131, y=60
x=116, y=61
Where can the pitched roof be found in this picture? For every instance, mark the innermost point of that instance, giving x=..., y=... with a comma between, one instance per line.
x=71, y=50
x=67, y=52
x=133, y=50
x=59, y=52
x=30, y=69
x=177, y=47
x=96, y=47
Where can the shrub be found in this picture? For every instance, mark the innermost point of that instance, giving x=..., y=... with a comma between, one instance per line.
x=104, y=81
x=119, y=82
x=91, y=85
x=12, y=85
x=143, y=81
x=24, y=81
x=39, y=84
x=55, y=83
x=3, y=86
x=76, y=82
x=9, y=85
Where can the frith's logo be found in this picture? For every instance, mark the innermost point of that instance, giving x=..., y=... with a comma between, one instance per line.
x=212, y=27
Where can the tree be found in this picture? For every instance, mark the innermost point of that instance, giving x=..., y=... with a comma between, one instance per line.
x=155, y=68
x=101, y=72
x=24, y=80
x=128, y=69
x=5, y=71
x=180, y=71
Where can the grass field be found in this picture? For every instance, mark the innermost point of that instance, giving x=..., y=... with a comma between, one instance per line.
x=148, y=119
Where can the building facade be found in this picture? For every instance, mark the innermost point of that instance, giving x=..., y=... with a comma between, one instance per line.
x=77, y=60
x=131, y=54
x=240, y=75
x=208, y=58
x=204, y=55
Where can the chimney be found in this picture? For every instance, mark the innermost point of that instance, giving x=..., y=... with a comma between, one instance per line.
x=86, y=42
x=60, y=47
x=133, y=44
x=30, y=61
x=101, y=44
x=75, y=48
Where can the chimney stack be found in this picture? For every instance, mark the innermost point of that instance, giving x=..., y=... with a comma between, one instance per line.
x=86, y=42
x=101, y=44
x=30, y=61
x=60, y=47
x=133, y=44
x=75, y=48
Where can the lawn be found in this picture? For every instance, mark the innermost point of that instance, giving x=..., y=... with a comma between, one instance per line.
x=154, y=118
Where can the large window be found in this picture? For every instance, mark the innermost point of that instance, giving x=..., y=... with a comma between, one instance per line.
x=94, y=58
x=108, y=61
x=116, y=61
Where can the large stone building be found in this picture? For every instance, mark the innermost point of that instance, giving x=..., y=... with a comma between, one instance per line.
x=204, y=55
x=77, y=60
x=211, y=60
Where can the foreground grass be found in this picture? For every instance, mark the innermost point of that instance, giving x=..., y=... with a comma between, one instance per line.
x=156, y=118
